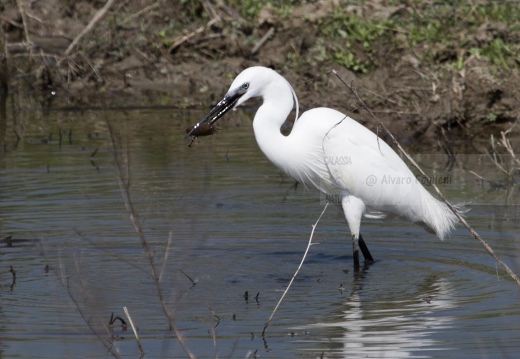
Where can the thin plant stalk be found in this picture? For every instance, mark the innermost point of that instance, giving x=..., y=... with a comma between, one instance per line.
x=134, y=330
x=295, y=273
x=134, y=217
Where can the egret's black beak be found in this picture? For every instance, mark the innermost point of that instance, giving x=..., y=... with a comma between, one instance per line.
x=220, y=109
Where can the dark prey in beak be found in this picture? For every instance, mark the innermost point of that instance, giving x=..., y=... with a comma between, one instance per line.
x=201, y=130
x=220, y=109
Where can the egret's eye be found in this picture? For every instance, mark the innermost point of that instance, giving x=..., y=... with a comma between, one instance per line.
x=245, y=85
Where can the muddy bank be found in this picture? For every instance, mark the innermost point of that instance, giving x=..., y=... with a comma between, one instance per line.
x=100, y=52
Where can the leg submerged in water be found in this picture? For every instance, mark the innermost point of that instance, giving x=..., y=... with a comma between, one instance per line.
x=358, y=243
x=364, y=250
x=353, y=208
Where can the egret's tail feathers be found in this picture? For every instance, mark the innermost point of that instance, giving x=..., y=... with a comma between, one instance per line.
x=439, y=217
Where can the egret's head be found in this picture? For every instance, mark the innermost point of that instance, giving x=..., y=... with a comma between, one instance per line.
x=249, y=83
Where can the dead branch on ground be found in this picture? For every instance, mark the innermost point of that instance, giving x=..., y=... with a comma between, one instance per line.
x=140, y=12
x=263, y=40
x=21, y=7
x=180, y=40
x=101, y=12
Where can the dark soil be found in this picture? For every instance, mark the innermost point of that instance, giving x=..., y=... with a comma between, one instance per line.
x=140, y=48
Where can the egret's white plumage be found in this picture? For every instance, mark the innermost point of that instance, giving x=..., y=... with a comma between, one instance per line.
x=335, y=154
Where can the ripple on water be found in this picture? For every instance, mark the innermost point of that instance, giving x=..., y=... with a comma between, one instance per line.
x=235, y=225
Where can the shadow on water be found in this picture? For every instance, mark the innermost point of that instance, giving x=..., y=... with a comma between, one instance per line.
x=220, y=221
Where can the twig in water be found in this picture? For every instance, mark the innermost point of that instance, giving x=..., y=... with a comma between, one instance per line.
x=135, y=331
x=496, y=161
x=193, y=282
x=217, y=318
x=434, y=186
x=124, y=184
x=13, y=279
x=113, y=320
x=478, y=176
x=213, y=333
x=13, y=272
x=493, y=184
x=506, y=143
x=165, y=258
x=295, y=273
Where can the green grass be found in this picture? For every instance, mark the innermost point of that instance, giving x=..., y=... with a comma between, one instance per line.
x=445, y=28
x=438, y=32
x=351, y=39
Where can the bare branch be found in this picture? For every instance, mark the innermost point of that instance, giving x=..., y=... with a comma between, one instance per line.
x=135, y=331
x=179, y=41
x=124, y=185
x=140, y=12
x=437, y=190
x=21, y=7
x=295, y=273
x=263, y=40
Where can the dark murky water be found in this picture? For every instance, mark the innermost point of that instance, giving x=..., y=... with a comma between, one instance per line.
x=221, y=214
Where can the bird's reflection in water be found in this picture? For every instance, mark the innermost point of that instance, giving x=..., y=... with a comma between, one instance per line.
x=391, y=325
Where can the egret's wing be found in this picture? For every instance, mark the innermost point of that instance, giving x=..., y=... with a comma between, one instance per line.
x=363, y=165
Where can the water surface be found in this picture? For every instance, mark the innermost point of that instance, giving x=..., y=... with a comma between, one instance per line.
x=221, y=215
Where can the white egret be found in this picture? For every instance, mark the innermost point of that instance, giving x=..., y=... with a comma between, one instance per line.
x=335, y=154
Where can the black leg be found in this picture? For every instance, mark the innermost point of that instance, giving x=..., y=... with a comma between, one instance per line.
x=364, y=250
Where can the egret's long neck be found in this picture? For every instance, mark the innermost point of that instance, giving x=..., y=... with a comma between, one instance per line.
x=278, y=104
